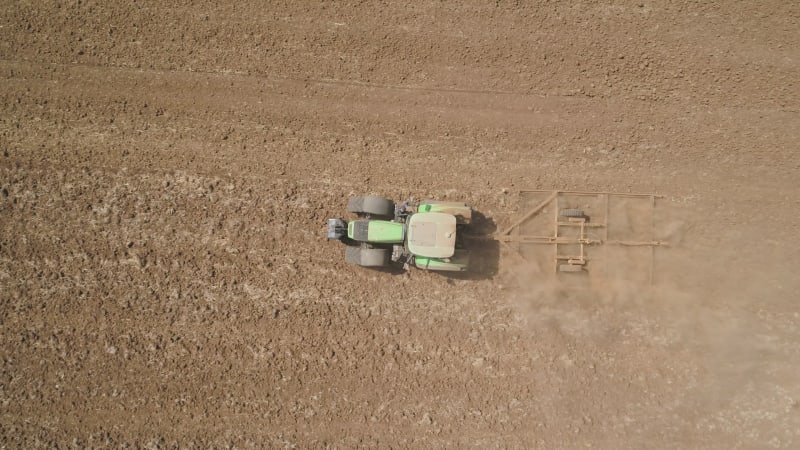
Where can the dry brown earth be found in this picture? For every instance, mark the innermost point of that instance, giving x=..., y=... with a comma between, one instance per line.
x=167, y=168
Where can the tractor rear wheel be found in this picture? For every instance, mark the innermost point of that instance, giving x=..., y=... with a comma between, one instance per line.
x=372, y=205
x=367, y=257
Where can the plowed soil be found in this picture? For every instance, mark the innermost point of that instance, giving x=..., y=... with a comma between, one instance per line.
x=167, y=167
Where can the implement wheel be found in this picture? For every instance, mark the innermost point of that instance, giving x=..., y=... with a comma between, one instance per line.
x=570, y=268
x=571, y=213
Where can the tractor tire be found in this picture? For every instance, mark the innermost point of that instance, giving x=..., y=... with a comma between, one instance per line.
x=367, y=257
x=571, y=213
x=372, y=205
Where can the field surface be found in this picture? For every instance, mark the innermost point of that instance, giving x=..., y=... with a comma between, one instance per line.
x=166, y=169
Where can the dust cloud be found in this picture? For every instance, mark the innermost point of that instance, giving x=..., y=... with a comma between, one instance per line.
x=721, y=311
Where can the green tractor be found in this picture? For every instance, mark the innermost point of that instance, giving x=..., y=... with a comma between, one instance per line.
x=428, y=235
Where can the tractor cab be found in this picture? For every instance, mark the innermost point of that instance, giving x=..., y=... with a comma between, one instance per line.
x=432, y=234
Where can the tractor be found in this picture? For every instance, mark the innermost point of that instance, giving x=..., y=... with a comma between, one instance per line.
x=428, y=234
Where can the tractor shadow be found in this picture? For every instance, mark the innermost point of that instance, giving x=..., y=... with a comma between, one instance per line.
x=484, y=259
x=392, y=269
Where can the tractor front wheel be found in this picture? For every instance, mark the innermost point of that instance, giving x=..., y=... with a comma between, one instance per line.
x=367, y=257
x=372, y=205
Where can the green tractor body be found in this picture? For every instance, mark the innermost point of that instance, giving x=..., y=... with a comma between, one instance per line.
x=376, y=231
x=425, y=235
x=456, y=263
x=460, y=211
